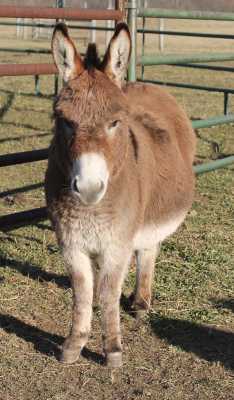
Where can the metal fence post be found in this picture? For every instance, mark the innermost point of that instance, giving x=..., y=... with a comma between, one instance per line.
x=37, y=85
x=225, y=106
x=145, y=4
x=59, y=4
x=109, y=24
x=132, y=23
x=161, y=36
x=93, y=30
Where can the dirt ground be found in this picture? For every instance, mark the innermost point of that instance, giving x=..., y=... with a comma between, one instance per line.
x=184, y=348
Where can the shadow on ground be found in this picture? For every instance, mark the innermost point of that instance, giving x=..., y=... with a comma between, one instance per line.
x=26, y=188
x=34, y=272
x=25, y=126
x=19, y=138
x=44, y=342
x=5, y=108
x=224, y=303
x=28, y=94
x=207, y=342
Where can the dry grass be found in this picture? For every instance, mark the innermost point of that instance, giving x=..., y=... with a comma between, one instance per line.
x=185, y=347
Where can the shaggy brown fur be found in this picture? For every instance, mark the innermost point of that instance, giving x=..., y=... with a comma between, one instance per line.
x=148, y=146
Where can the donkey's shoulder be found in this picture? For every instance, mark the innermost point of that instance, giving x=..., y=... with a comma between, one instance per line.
x=147, y=93
x=158, y=111
x=147, y=111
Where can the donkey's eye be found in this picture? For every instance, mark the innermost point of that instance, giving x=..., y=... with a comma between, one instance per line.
x=111, y=127
x=114, y=123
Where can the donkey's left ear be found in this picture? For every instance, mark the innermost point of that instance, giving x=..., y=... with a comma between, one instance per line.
x=116, y=59
x=66, y=57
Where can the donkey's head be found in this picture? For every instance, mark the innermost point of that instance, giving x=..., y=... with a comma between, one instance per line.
x=91, y=129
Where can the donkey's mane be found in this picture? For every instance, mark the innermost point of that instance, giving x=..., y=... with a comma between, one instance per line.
x=92, y=59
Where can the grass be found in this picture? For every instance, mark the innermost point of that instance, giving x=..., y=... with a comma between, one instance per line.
x=184, y=349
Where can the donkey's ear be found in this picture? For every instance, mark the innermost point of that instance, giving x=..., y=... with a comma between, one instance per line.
x=66, y=58
x=116, y=59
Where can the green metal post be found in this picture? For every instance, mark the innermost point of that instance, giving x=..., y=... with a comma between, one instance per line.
x=225, y=111
x=132, y=23
x=37, y=85
x=211, y=166
x=60, y=3
x=143, y=43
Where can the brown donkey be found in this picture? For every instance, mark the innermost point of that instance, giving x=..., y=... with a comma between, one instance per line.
x=119, y=181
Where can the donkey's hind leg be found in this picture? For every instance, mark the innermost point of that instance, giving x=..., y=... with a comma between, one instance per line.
x=145, y=260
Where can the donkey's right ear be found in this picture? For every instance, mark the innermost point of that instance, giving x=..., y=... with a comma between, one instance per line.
x=66, y=57
x=116, y=59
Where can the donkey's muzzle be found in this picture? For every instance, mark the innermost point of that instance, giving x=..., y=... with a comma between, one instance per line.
x=89, y=192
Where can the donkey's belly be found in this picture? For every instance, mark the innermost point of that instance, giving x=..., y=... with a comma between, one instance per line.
x=149, y=235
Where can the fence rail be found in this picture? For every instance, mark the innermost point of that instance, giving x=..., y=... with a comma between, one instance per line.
x=187, y=34
x=27, y=69
x=211, y=166
x=23, y=157
x=59, y=13
x=177, y=14
x=181, y=58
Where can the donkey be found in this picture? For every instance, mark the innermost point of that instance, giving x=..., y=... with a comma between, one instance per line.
x=119, y=181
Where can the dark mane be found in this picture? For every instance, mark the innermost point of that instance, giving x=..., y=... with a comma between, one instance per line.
x=92, y=59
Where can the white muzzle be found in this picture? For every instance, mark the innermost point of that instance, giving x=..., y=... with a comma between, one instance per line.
x=90, y=178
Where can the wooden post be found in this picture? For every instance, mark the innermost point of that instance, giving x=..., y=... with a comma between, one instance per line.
x=25, y=29
x=161, y=36
x=19, y=28
x=35, y=29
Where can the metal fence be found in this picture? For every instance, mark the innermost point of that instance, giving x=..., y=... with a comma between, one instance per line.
x=187, y=60
x=35, y=215
x=192, y=60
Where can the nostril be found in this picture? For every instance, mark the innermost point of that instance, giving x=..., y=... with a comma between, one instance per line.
x=98, y=187
x=75, y=186
x=102, y=185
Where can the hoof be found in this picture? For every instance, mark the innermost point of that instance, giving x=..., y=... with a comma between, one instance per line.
x=114, y=360
x=140, y=314
x=139, y=307
x=69, y=356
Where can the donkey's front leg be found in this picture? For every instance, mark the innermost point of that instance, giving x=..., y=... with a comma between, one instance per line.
x=80, y=270
x=110, y=282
